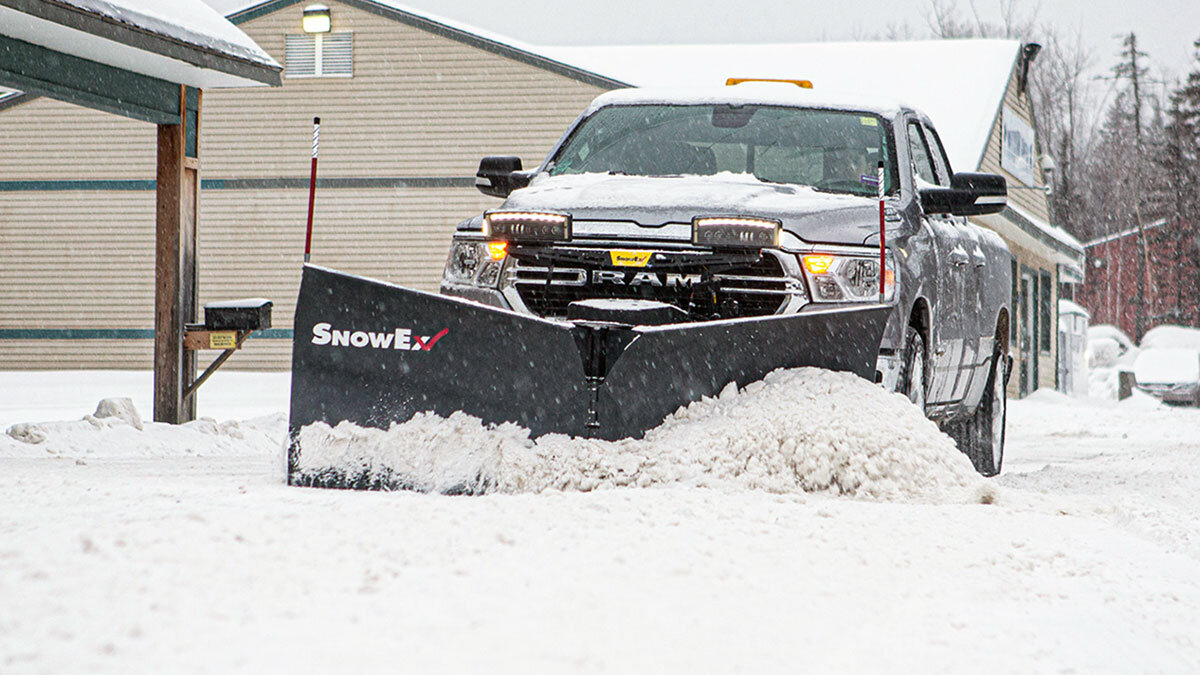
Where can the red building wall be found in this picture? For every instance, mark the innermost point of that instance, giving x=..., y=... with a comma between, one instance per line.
x=1171, y=289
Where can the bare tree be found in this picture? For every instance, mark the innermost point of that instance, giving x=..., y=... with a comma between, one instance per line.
x=1063, y=100
x=945, y=21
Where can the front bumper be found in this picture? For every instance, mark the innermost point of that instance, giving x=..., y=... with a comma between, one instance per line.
x=487, y=296
x=1188, y=392
x=541, y=280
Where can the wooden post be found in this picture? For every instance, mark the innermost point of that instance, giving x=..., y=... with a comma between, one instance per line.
x=178, y=183
x=1126, y=383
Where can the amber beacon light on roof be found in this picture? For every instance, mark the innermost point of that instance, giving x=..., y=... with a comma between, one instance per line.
x=803, y=84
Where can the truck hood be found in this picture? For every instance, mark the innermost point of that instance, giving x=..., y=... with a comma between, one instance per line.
x=652, y=201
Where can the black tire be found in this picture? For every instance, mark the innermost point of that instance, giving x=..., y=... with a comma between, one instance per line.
x=914, y=372
x=981, y=436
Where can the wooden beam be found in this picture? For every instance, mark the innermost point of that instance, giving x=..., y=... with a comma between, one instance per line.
x=177, y=185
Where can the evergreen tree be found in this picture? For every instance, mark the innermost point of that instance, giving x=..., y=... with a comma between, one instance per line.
x=1181, y=163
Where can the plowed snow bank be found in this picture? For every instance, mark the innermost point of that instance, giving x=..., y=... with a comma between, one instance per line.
x=798, y=430
x=116, y=429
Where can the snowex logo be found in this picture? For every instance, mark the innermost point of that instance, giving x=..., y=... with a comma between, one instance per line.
x=403, y=339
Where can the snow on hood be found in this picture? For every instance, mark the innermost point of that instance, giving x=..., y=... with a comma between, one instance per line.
x=797, y=430
x=656, y=200
x=1168, y=365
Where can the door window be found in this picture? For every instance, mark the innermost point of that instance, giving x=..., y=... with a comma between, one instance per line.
x=919, y=151
x=940, y=162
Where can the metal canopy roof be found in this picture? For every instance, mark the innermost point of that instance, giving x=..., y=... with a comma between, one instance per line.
x=116, y=56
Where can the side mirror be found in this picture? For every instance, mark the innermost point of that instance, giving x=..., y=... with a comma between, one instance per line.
x=969, y=194
x=499, y=176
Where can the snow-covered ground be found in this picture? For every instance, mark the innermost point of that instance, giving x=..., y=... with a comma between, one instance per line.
x=179, y=549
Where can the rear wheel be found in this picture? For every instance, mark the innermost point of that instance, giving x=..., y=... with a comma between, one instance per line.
x=913, y=375
x=983, y=433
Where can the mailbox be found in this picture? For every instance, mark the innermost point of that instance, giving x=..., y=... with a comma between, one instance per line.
x=243, y=315
x=226, y=326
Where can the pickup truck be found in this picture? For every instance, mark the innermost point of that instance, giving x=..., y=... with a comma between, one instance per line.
x=651, y=197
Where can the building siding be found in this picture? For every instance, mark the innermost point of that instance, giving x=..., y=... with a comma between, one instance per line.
x=76, y=260
x=45, y=139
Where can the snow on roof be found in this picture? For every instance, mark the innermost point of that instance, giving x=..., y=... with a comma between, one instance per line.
x=189, y=21
x=1067, y=307
x=1124, y=233
x=1053, y=231
x=960, y=84
x=183, y=41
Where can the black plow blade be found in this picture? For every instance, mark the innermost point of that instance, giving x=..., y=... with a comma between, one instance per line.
x=375, y=354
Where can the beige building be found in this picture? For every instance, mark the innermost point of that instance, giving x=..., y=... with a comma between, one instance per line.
x=408, y=106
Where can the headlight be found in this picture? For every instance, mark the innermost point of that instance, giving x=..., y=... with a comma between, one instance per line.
x=847, y=278
x=475, y=263
x=531, y=226
x=735, y=232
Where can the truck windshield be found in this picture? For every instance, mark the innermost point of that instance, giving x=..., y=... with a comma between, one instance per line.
x=831, y=150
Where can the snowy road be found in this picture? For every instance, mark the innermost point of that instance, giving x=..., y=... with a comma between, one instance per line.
x=158, y=560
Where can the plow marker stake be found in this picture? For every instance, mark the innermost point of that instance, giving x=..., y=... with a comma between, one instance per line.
x=374, y=353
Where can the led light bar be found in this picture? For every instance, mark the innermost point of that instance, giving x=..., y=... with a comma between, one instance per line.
x=735, y=232
x=527, y=226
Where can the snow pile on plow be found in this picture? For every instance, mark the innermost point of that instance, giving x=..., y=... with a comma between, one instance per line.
x=803, y=429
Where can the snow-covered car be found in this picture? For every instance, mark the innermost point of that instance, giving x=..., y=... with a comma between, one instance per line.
x=1109, y=347
x=1171, y=374
x=622, y=206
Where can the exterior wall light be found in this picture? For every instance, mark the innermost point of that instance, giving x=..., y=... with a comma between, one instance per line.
x=317, y=19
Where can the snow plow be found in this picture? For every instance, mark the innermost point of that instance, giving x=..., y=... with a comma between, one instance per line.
x=376, y=354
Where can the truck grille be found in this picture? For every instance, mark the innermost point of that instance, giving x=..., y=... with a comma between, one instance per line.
x=705, y=291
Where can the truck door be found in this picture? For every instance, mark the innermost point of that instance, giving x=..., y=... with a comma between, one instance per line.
x=976, y=350
x=946, y=333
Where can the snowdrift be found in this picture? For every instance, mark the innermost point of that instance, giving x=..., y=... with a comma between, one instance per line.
x=797, y=430
x=116, y=429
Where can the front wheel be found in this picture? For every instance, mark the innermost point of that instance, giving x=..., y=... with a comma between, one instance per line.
x=984, y=433
x=914, y=377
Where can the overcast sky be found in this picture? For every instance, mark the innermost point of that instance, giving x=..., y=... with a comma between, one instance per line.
x=1166, y=28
